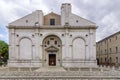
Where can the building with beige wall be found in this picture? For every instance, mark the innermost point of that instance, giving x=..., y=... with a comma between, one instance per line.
x=61, y=40
x=108, y=50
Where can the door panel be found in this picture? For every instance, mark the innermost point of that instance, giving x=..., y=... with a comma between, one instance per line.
x=52, y=59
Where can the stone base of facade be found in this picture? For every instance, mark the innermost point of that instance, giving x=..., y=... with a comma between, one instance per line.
x=38, y=63
x=24, y=63
x=64, y=75
x=79, y=64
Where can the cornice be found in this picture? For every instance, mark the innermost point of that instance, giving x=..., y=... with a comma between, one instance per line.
x=52, y=27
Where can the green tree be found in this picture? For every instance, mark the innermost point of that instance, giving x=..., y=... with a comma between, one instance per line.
x=3, y=52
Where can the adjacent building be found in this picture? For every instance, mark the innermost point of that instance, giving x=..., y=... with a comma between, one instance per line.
x=61, y=40
x=108, y=50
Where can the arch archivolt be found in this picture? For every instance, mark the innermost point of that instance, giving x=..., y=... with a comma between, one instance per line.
x=25, y=49
x=81, y=37
x=23, y=37
x=52, y=48
x=46, y=35
x=78, y=48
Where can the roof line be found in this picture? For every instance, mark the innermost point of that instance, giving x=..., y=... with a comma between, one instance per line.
x=108, y=37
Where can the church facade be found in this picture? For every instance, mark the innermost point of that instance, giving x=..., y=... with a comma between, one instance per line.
x=64, y=40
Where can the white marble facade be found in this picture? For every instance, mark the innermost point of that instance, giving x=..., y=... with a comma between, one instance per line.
x=34, y=41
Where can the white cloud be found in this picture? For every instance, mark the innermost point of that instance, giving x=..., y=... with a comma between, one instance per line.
x=105, y=14
x=109, y=25
x=1, y=36
x=4, y=37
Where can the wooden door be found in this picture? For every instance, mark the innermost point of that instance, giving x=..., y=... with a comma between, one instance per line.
x=52, y=59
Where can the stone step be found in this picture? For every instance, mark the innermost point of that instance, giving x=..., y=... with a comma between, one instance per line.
x=50, y=69
x=61, y=78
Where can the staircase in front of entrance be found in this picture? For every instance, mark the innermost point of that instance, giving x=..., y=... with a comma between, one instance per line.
x=50, y=69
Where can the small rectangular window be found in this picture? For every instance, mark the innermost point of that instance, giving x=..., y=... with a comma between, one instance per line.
x=52, y=21
x=105, y=59
x=116, y=59
x=116, y=49
x=110, y=40
x=110, y=50
x=105, y=50
x=48, y=42
x=110, y=60
x=116, y=37
x=55, y=42
x=101, y=60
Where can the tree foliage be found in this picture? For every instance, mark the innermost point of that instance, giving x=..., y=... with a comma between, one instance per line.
x=3, y=52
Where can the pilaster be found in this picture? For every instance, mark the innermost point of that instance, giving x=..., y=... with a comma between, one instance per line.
x=12, y=44
x=91, y=47
x=36, y=44
x=67, y=42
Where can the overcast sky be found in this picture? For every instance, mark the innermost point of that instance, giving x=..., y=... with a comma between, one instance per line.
x=105, y=13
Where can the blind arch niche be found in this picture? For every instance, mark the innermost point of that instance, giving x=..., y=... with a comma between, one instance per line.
x=79, y=49
x=25, y=49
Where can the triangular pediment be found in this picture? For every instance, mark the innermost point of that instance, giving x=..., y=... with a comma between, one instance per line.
x=52, y=15
x=76, y=20
x=29, y=20
x=51, y=48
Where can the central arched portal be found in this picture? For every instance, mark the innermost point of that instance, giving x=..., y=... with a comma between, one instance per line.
x=52, y=48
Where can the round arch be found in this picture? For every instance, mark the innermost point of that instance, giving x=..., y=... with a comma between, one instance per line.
x=79, y=37
x=25, y=49
x=52, y=50
x=23, y=38
x=49, y=34
x=79, y=48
